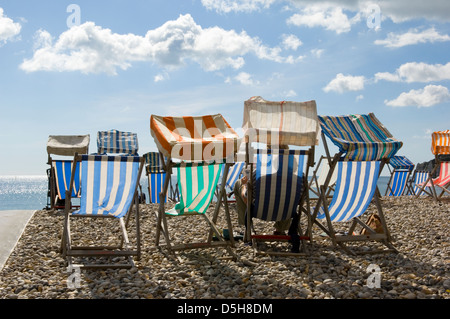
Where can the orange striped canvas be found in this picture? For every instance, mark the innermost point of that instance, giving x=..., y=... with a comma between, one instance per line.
x=440, y=142
x=194, y=138
x=281, y=123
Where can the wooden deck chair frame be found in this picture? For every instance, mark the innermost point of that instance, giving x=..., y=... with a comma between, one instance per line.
x=396, y=175
x=341, y=240
x=123, y=249
x=295, y=234
x=162, y=226
x=419, y=176
x=234, y=174
x=318, y=178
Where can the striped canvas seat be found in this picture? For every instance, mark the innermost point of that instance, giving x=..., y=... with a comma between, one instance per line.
x=398, y=181
x=117, y=142
x=278, y=184
x=196, y=182
x=156, y=175
x=360, y=137
x=440, y=142
x=355, y=187
x=442, y=180
x=234, y=174
x=108, y=184
x=420, y=177
x=63, y=173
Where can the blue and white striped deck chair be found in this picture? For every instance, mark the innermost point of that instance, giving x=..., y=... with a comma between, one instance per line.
x=234, y=174
x=400, y=173
x=365, y=145
x=156, y=176
x=109, y=189
x=356, y=188
x=421, y=177
x=117, y=142
x=62, y=170
x=59, y=173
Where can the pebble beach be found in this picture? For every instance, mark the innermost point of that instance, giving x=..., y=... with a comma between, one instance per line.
x=420, y=270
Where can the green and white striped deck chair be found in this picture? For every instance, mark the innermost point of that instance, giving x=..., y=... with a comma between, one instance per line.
x=109, y=191
x=365, y=145
x=202, y=144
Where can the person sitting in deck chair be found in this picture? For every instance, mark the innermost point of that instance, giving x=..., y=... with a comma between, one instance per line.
x=240, y=192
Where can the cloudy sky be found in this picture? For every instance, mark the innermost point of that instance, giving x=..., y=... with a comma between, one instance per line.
x=78, y=67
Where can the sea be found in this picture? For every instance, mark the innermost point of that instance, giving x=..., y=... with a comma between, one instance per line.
x=30, y=192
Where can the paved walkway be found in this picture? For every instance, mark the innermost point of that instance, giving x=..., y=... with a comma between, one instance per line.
x=12, y=225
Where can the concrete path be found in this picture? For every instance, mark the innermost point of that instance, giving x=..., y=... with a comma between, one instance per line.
x=12, y=225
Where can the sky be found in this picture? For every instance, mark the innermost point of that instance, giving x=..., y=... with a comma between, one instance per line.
x=79, y=67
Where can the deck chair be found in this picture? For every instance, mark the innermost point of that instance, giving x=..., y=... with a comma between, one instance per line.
x=109, y=187
x=278, y=191
x=156, y=175
x=318, y=178
x=64, y=148
x=117, y=142
x=365, y=146
x=420, y=176
x=440, y=147
x=233, y=175
x=400, y=173
x=201, y=144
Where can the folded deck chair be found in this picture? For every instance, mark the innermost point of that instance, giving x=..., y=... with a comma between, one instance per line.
x=233, y=175
x=109, y=187
x=278, y=191
x=319, y=180
x=202, y=144
x=156, y=175
x=117, y=142
x=400, y=173
x=440, y=147
x=59, y=173
x=365, y=145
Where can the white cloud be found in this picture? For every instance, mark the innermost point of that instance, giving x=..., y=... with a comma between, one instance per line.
x=343, y=83
x=329, y=17
x=396, y=10
x=426, y=97
x=317, y=52
x=416, y=72
x=8, y=28
x=226, y=6
x=291, y=41
x=243, y=78
x=412, y=37
x=92, y=49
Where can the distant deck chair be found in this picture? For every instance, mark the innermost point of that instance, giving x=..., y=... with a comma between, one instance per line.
x=233, y=175
x=365, y=145
x=117, y=142
x=440, y=147
x=318, y=180
x=156, y=175
x=402, y=168
x=59, y=173
x=279, y=189
x=108, y=191
x=202, y=144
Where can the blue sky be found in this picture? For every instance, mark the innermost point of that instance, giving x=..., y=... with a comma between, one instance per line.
x=78, y=67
